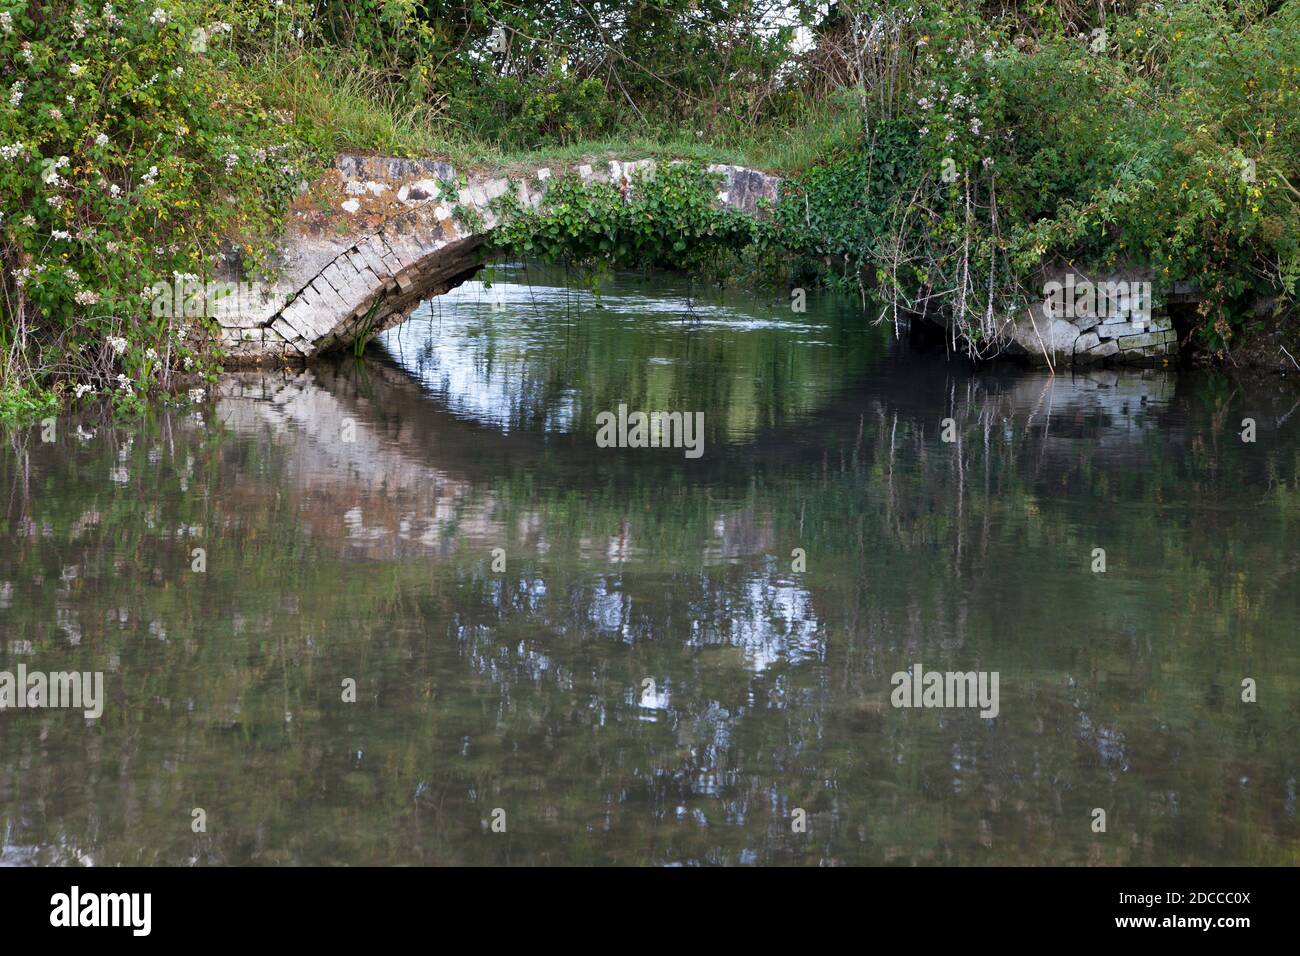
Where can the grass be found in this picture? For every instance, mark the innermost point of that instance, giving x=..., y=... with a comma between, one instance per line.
x=350, y=108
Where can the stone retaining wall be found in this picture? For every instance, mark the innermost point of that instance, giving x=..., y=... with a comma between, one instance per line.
x=1124, y=320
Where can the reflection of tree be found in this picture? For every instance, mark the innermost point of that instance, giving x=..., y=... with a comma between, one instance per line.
x=523, y=690
x=504, y=363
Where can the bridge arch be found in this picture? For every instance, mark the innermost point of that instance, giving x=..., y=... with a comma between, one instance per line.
x=375, y=236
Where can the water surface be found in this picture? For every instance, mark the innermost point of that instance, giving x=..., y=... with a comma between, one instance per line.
x=349, y=516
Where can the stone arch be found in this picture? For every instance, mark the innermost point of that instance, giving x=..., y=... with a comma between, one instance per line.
x=376, y=236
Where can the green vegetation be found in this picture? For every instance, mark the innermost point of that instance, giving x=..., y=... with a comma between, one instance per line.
x=134, y=154
x=670, y=220
x=941, y=151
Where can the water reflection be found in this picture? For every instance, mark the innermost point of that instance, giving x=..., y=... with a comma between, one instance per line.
x=348, y=516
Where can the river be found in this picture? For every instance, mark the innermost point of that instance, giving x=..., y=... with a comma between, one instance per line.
x=407, y=610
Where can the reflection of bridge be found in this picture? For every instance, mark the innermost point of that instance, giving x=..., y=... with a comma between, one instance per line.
x=374, y=461
x=375, y=236
x=401, y=436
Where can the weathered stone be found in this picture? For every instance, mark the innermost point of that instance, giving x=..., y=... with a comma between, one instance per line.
x=1145, y=340
x=1060, y=336
x=398, y=247
x=286, y=331
x=495, y=188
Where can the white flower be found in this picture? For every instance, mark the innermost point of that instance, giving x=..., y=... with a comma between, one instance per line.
x=56, y=113
x=50, y=174
x=29, y=221
x=60, y=234
x=196, y=394
x=86, y=297
x=83, y=389
x=117, y=344
x=232, y=160
x=10, y=152
x=101, y=139
x=159, y=16
x=151, y=354
x=16, y=93
x=7, y=22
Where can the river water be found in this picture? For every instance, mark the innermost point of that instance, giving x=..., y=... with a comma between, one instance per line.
x=406, y=610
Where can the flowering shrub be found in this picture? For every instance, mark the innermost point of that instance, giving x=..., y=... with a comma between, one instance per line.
x=1169, y=138
x=132, y=155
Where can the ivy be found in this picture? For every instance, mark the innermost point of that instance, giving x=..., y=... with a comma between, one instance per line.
x=669, y=219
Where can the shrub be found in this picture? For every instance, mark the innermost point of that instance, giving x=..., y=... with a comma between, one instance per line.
x=132, y=156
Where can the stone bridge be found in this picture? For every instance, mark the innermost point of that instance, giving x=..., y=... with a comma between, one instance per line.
x=375, y=236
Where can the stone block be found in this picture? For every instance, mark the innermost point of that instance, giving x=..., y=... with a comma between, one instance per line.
x=1145, y=340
